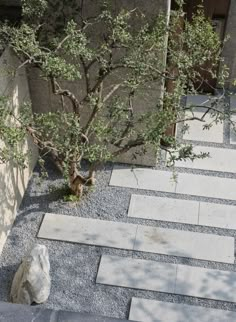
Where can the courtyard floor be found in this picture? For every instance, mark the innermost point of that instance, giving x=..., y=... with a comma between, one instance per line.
x=139, y=245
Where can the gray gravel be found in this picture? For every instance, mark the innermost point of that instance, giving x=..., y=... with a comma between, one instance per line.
x=73, y=266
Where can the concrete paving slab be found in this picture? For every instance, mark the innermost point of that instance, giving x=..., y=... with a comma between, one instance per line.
x=183, y=211
x=88, y=231
x=144, y=310
x=142, y=178
x=165, y=277
x=196, y=132
x=136, y=273
x=206, y=186
x=217, y=215
x=220, y=160
x=165, y=209
x=137, y=237
x=206, y=283
x=185, y=244
x=187, y=183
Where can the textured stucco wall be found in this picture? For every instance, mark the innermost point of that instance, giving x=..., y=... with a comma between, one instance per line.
x=43, y=100
x=13, y=180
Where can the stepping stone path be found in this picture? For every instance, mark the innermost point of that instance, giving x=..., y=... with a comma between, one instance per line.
x=219, y=160
x=143, y=178
x=183, y=211
x=151, y=311
x=138, y=238
x=187, y=183
x=150, y=275
x=169, y=278
x=195, y=131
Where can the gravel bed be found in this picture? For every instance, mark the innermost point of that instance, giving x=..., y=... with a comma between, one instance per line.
x=73, y=266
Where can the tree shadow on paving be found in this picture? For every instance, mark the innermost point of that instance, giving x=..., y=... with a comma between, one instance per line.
x=213, y=285
x=178, y=312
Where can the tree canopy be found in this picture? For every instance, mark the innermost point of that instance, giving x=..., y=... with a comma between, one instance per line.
x=115, y=58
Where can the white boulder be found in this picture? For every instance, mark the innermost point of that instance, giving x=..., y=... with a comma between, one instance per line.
x=32, y=280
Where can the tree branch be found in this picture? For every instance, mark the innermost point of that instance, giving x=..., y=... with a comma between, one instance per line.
x=128, y=146
x=112, y=91
x=95, y=111
x=130, y=122
x=62, y=42
x=64, y=92
x=86, y=74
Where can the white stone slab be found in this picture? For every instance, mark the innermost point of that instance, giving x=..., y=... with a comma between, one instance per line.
x=206, y=283
x=183, y=211
x=143, y=310
x=143, y=178
x=135, y=237
x=206, y=186
x=219, y=160
x=217, y=215
x=137, y=273
x=187, y=183
x=196, y=132
x=166, y=277
x=185, y=244
x=165, y=209
x=88, y=231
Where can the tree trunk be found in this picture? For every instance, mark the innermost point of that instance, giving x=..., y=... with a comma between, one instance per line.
x=77, y=186
x=78, y=182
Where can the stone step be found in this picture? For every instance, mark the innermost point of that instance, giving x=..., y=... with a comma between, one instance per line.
x=142, y=178
x=25, y=313
x=183, y=211
x=196, y=132
x=168, y=278
x=220, y=160
x=156, y=311
x=187, y=183
x=137, y=237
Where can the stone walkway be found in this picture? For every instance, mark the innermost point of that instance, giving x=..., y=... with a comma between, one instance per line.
x=148, y=310
x=138, y=238
x=180, y=205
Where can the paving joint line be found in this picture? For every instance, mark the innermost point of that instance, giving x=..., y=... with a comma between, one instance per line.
x=177, y=265
x=134, y=241
x=199, y=207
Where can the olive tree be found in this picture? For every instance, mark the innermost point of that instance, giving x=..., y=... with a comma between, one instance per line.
x=125, y=58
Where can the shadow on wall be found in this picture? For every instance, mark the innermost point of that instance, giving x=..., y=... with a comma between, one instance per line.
x=13, y=183
x=13, y=180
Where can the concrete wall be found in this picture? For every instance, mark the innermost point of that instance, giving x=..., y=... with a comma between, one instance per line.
x=43, y=100
x=13, y=180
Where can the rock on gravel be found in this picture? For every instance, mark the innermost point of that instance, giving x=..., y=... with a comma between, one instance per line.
x=32, y=283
